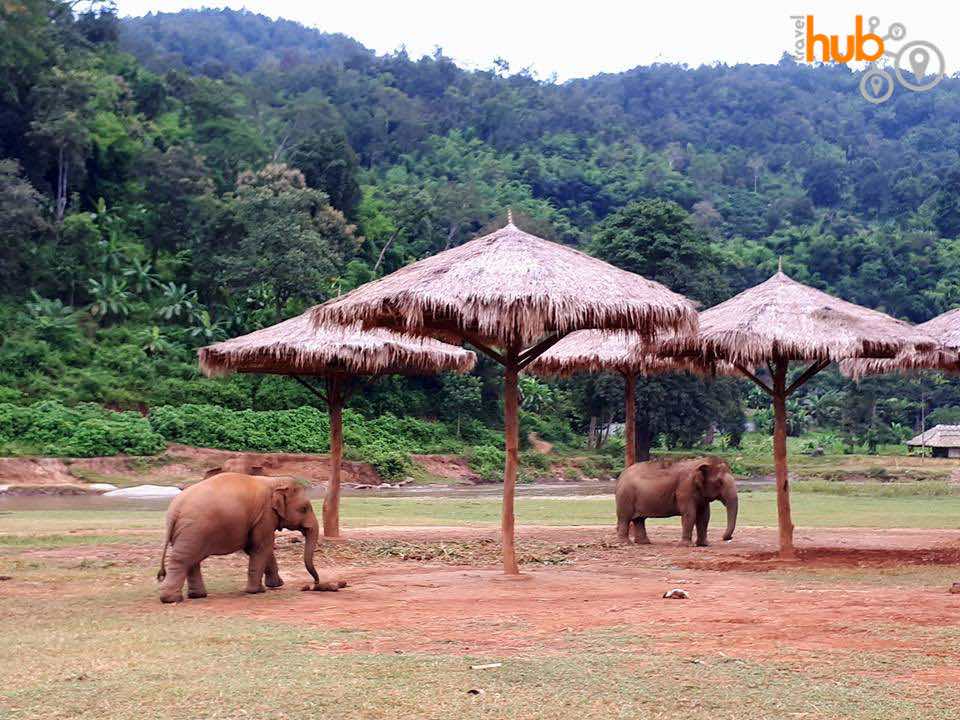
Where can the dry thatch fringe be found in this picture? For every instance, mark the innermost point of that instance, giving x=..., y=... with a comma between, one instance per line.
x=593, y=351
x=511, y=287
x=945, y=329
x=786, y=319
x=297, y=347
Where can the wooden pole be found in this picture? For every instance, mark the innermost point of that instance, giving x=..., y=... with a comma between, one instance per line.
x=511, y=426
x=331, y=503
x=784, y=519
x=630, y=419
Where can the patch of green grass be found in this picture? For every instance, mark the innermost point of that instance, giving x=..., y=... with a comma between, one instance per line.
x=863, y=505
x=62, y=521
x=929, y=488
x=53, y=541
x=756, y=508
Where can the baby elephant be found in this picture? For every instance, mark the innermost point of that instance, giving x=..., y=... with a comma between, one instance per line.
x=685, y=488
x=229, y=512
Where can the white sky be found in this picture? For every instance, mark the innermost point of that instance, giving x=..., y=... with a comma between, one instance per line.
x=585, y=38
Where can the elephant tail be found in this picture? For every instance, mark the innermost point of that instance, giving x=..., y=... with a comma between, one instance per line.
x=162, y=572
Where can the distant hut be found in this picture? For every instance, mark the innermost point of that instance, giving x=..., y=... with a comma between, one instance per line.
x=629, y=354
x=512, y=296
x=943, y=441
x=339, y=356
x=782, y=321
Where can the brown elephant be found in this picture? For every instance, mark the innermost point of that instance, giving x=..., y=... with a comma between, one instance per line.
x=229, y=512
x=685, y=488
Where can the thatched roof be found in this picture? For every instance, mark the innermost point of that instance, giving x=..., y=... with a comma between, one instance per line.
x=940, y=436
x=510, y=286
x=945, y=329
x=786, y=319
x=297, y=347
x=592, y=351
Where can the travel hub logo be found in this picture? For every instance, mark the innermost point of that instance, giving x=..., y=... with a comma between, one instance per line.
x=917, y=65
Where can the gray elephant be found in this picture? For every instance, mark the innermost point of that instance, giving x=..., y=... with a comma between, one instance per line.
x=685, y=488
x=229, y=512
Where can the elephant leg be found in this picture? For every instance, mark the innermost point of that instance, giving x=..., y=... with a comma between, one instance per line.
x=640, y=531
x=273, y=579
x=195, y=586
x=703, y=520
x=623, y=530
x=257, y=566
x=172, y=585
x=688, y=519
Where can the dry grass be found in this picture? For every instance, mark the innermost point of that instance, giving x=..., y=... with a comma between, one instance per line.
x=945, y=329
x=593, y=351
x=507, y=287
x=296, y=346
x=82, y=644
x=781, y=318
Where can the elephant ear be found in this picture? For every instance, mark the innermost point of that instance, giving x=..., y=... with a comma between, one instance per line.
x=701, y=475
x=281, y=495
x=711, y=484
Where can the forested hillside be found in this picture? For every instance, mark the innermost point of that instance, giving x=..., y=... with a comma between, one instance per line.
x=176, y=179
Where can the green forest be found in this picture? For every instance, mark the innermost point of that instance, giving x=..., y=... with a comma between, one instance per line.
x=177, y=179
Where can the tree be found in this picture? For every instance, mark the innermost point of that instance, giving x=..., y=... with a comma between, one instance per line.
x=21, y=225
x=461, y=395
x=312, y=139
x=823, y=181
x=946, y=210
x=64, y=110
x=656, y=239
x=174, y=181
x=111, y=299
x=282, y=235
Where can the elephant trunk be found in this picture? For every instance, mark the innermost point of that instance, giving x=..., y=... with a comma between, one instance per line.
x=311, y=533
x=730, y=500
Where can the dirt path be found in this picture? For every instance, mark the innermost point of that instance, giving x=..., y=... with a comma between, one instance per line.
x=743, y=604
x=855, y=594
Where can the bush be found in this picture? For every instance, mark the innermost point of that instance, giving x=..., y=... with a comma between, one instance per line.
x=487, y=461
x=553, y=430
x=385, y=442
x=304, y=430
x=9, y=395
x=87, y=430
x=391, y=465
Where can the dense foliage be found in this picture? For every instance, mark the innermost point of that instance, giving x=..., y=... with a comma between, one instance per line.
x=172, y=180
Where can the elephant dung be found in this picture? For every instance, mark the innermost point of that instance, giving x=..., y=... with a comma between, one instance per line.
x=328, y=586
x=955, y=588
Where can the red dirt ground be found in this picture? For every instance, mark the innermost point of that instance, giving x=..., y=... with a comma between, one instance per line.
x=788, y=613
x=855, y=594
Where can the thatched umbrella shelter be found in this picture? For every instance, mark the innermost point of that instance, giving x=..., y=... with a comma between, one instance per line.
x=626, y=353
x=782, y=321
x=297, y=348
x=944, y=329
x=512, y=296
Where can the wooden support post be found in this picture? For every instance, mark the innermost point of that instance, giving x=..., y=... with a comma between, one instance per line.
x=630, y=419
x=511, y=426
x=784, y=518
x=331, y=503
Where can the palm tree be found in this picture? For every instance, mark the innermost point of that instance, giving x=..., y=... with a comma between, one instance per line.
x=50, y=317
x=204, y=328
x=176, y=302
x=141, y=275
x=110, y=297
x=152, y=341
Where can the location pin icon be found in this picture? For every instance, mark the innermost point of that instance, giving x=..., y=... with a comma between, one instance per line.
x=876, y=85
x=919, y=59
